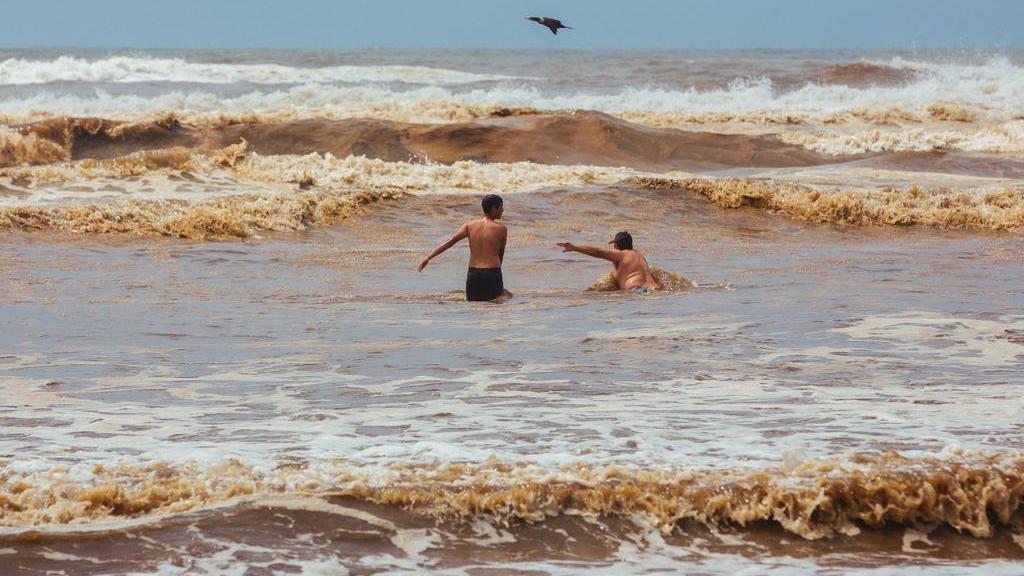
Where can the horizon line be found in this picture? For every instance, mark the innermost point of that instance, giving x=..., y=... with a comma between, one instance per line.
x=523, y=49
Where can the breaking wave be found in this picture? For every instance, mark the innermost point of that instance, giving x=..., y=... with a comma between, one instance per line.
x=310, y=165
x=28, y=149
x=864, y=73
x=358, y=172
x=561, y=138
x=118, y=69
x=1007, y=138
x=993, y=91
x=312, y=187
x=324, y=171
x=145, y=145
x=943, y=208
x=314, y=190
x=973, y=494
x=235, y=217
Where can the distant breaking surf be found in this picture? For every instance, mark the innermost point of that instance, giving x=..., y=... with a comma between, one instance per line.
x=125, y=69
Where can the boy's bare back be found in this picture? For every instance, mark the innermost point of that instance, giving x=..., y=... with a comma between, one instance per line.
x=486, y=242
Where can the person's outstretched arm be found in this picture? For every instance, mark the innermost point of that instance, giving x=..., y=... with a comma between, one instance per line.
x=593, y=251
x=463, y=232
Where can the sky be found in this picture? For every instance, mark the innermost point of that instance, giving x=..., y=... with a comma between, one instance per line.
x=461, y=24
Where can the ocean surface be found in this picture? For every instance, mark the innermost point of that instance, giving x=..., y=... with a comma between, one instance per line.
x=218, y=357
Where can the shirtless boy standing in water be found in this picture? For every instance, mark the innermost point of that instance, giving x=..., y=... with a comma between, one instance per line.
x=631, y=269
x=487, y=239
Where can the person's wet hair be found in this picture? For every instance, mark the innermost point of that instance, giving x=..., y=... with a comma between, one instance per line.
x=491, y=201
x=623, y=241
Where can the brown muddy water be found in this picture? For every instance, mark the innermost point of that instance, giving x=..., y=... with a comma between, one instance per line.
x=293, y=382
x=217, y=356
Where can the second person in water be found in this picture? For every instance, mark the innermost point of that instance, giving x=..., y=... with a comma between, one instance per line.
x=631, y=269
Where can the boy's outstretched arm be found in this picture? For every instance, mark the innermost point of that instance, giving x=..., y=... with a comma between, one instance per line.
x=462, y=232
x=594, y=251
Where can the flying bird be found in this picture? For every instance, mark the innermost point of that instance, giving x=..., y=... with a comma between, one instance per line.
x=553, y=24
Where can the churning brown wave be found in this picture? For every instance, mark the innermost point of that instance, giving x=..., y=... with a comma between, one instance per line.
x=864, y=74
x=941, y=207
x=17, y=148
x=243, y=216
x=558, y=138
x=234, y=217
x=812, y=499
x=578, y=144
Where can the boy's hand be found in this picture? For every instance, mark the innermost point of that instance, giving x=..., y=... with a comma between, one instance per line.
x=567, y=246
x=423, y=265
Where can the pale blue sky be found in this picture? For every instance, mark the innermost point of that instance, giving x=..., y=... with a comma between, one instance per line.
x=600, y=24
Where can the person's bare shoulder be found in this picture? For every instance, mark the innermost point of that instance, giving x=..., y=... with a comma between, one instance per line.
x=492, y=226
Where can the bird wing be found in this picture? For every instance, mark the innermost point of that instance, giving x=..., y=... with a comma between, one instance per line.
x=552, y=24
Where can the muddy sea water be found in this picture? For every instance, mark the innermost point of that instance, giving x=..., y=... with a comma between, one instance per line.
x=259, y=388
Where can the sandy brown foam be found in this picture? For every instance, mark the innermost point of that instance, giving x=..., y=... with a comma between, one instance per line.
x=669, y=281
x=944, y=208
x=141, y=163
x=222, y=218
x=120, y=493
x=28, y=149
x=315, y=190
x=301, y=189
x=812, y=499
x=1006, y=138
x=951, y=112
x=448, y=111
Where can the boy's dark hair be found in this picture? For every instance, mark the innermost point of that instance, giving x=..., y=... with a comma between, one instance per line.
x=491, y=201
x=623, y=241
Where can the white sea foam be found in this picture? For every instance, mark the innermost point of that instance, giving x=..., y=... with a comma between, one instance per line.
x=446, y=427
x=259, y=174
x=1002, y=138
x=993, y=91
x=118, y=69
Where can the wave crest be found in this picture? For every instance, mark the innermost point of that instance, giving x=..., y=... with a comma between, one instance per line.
x=943, y=208
x=813, y=499
x=579, y=137
x=992, y=91
x=235, y=217
x=1007, y=138
x=128, y=69
x=865, y=74
x=28, y=149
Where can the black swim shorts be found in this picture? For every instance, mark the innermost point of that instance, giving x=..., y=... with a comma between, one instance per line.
x=483, y=284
